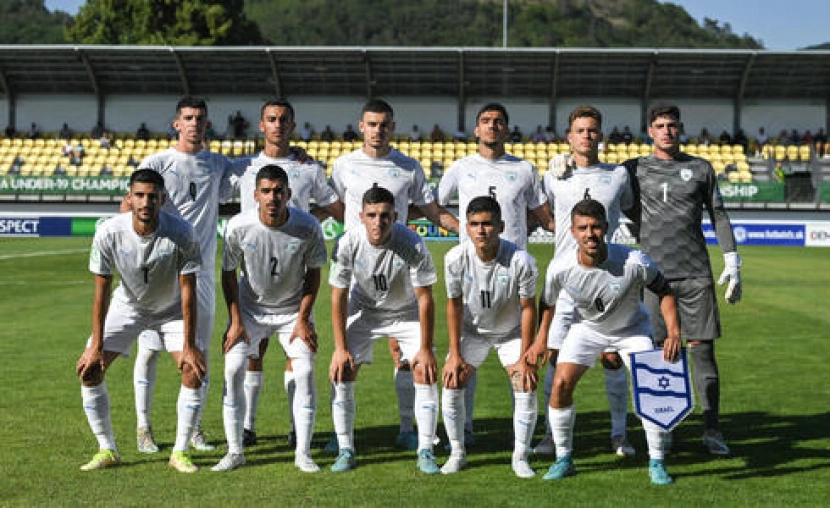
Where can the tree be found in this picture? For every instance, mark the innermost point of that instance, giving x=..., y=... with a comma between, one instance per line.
x=164, y=22
x=29, y=22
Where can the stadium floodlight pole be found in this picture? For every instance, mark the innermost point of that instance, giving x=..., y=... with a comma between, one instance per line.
x=504, y=26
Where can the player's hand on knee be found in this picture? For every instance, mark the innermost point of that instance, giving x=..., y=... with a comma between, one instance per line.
x=425, y=366
x=534, y=353
x=234, y=335
x=304, y=330
x=456, y=372
x=91, y=366
x=523, y=377
x=732, y=275
x=192, y=364
x=342, y=365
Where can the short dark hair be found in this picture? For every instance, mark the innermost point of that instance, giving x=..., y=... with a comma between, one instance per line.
x=377, y=106
x=271, y=172
x=663, y=110
x=481, y=204
x=280, y=102
x=589, y=208
x=189, y=101
x=493, y=106
x=376, y=195
x=585, y=111
x=147, y=176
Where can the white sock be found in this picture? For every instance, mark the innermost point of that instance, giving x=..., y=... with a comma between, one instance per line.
x=233, y=400
x=562, y=429
x=188, y=408
x=342, y=413
x=253, y=386
x=144, y=383
x=550, y=373
x=525, y=412
x=96, y=401
x=304, y=408
x=452, y=408
x=656, y=439
x=470, y=401
x=616, y=388
x=203, y=390
x=426, y=414
x=290, y=388
x=404, y=385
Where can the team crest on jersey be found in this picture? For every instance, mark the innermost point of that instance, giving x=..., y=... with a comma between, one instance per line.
x=614, y=287
x=511, y=176
x=394, y=172
x=165, y=250
x=251, y=245
x=294, y=173
x=293, y=246
x=605, y=180
x=574, y=289
x=471, y=175
x=686, y=174
x=397, y=262
x=502, y=278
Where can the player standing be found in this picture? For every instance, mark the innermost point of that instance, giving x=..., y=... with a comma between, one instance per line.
x=307, y=180
x=377, y=163
x=491, y=291
x=381, y=278
x=671, y=190
x=196, y=181
x=569, y=180
x=280, y=250
x=157, y=258
x=514, y=183
x=605, y=282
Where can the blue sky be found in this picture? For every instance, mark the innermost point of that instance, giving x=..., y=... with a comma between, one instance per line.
x=780, y=24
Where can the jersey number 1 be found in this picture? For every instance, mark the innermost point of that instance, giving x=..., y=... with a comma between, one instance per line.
x=380, y=282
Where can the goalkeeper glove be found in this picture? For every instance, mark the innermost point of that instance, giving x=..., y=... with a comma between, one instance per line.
x=732, y=275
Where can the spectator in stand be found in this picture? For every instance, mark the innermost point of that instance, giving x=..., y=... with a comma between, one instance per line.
x=704, y=138
x=350, y=134
x=615, y=136
x=105, y=141
x=10, y=132
x=210, y=132
x=740, y=139
x=725, y=138
x=240, y=125
x=143, y=132
x=550, y=134
x=807, y=138
x=762, y=137
x=76, y=157
x=65, y=132
x=684, y=138
x=795, y=137
x=820, y=141
x=327, y=134
x=539, y=135
x=437, y=134
x=415, y=133
x=459, y=135
x=516, y=136
x=34, y=131
x=306, y=132
x=627, y=135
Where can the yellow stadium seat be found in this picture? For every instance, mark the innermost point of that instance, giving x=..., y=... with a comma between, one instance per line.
x=734, y=177
x=745, y=176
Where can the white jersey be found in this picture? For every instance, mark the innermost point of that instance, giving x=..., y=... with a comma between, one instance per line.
x=514, y=183
x=608, y=297
x=355, y=173
x=382, y=278
x=149, y=266
x=607, y=183
x=307, y=181
x=491, y=290
x=273, y=261
x=195, y=185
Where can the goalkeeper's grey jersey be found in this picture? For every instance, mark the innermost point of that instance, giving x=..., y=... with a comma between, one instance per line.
x=195, y=185
x=607, y=297
x=274, y=260
x=673, y=195
x=382, y=278
x=491, y=290
x=149, y=266
x=307, y=181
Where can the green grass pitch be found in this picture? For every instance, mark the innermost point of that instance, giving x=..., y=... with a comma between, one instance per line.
x=775, y=398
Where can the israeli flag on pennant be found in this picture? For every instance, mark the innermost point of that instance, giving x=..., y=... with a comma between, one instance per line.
x=662, y=392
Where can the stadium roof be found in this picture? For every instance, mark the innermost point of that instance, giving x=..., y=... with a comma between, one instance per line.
x=443, y=71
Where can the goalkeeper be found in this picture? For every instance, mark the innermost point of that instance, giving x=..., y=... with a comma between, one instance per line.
x=673, y=189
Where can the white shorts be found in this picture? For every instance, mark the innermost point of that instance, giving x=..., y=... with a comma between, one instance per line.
x=263, y=326
x=123, y=325
x=363, y=328
x=583, y=345
x=205, y=315
x=475, y=347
